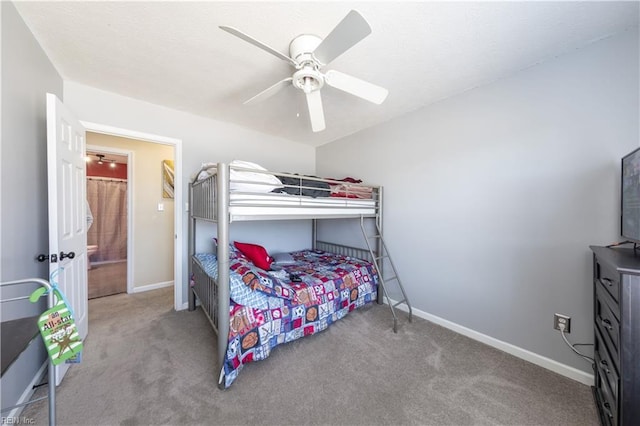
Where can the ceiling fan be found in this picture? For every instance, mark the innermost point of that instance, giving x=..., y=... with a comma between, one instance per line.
x=308, y=54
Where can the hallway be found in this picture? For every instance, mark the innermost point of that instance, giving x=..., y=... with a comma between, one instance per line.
x=107, y=279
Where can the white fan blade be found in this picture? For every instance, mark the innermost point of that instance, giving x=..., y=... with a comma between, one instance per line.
x=345, y=35
x=356, y=87
x=316, y=114
x=259, y=44
x=268, y=92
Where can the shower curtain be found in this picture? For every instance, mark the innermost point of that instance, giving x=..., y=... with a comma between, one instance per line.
x=108, y=203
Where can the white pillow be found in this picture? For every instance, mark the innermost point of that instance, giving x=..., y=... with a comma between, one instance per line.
x=264, y=182
x=206, y=170
x=282, y=259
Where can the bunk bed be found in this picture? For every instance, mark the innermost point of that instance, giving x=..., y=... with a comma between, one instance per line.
x=256, y=308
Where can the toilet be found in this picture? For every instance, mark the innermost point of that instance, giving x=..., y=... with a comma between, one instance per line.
x=91, y=250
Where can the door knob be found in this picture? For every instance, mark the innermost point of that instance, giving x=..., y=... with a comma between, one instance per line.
x=64, y=255
x=44, y=257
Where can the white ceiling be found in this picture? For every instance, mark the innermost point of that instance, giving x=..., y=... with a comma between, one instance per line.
x=174, y=54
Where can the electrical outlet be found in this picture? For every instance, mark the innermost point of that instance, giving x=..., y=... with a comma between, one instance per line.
x=562, y=319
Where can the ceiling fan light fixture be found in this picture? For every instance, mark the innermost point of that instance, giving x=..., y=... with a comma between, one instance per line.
x=308, y=79
x=308, y=54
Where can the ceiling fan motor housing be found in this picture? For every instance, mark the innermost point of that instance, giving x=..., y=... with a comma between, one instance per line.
x=301, y=48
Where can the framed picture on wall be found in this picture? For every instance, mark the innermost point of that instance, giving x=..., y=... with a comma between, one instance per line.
x=167, y=178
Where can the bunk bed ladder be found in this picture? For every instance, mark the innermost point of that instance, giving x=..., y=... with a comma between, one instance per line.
x=379, y=253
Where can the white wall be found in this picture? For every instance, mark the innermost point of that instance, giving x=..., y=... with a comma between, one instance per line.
x=203, y=140
x=493, y=196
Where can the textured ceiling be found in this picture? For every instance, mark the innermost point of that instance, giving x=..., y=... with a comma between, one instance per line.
x=174, y=54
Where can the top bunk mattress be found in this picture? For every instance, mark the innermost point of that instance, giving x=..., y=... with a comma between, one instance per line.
x=259, y=194
x=251, y=205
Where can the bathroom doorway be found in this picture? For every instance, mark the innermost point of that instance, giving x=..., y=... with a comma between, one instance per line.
x=154, y=241
x=151, y=215
x=108, y=213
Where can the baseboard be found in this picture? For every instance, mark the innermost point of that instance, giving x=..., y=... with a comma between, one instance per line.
x=186, y=305
x=149, y=287
x=108, y=262
x=28, y=392
x=548, y=363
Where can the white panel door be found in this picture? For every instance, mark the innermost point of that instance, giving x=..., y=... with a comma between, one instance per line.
x=67, y=212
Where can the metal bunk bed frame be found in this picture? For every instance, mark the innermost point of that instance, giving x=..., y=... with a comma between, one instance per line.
x=51, y=370
x=209, y=200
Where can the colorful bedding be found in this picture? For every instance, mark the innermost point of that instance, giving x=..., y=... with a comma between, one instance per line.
x=268, y=308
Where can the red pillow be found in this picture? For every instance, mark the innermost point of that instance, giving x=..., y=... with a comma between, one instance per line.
x=257, y=254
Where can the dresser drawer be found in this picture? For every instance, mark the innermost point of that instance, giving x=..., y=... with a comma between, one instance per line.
x=609, y=277
x=607, y=368
x=607, y=323
x=608, y=404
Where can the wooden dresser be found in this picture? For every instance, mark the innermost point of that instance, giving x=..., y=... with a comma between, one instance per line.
x=616, y=296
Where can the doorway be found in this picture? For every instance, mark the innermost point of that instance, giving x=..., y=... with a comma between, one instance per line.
x=109, y=200
x=141, y=260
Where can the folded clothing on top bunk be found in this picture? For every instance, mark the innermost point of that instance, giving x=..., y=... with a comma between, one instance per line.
x=270, y=308
x=255, y=178
x=302, y=186
x=348, y=190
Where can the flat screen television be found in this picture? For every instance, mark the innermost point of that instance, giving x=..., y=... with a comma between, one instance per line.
x=630, y=197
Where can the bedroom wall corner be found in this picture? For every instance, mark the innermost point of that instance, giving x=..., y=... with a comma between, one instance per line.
x=493, y=196
x=27, y=75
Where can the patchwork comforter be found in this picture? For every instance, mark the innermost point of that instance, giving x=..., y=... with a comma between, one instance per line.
x=269, y=308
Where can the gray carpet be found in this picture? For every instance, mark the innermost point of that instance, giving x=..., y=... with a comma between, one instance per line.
x=147, y=364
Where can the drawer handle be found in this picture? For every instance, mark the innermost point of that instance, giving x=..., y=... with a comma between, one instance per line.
x=606, y=366
x=606, y=324
x=607, y=409
x=607, y=281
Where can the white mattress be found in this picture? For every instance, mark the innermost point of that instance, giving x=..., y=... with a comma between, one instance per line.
x=272, y=205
